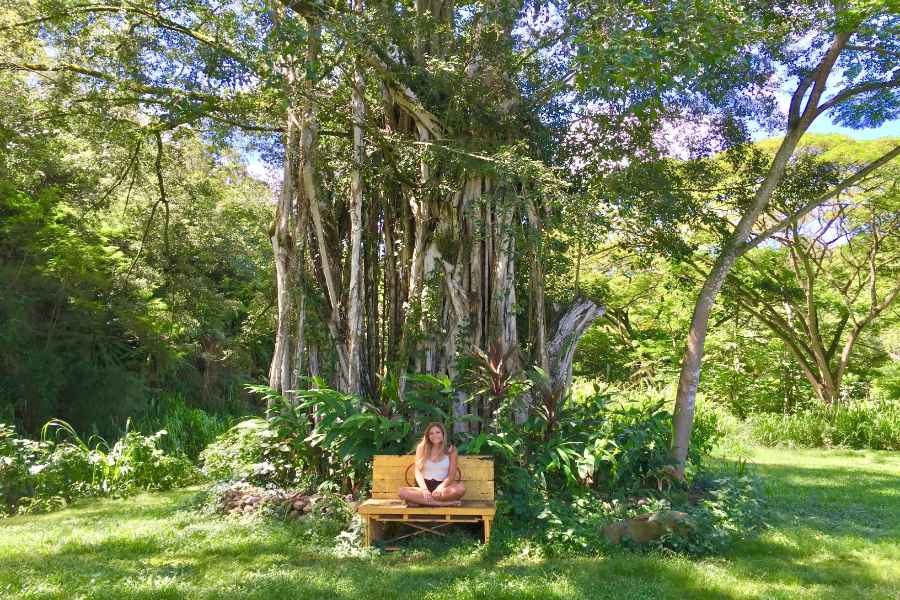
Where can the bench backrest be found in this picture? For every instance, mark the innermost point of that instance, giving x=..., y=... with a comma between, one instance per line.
x=390, y=472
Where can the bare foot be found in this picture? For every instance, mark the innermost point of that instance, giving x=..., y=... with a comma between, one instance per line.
x=449, y=503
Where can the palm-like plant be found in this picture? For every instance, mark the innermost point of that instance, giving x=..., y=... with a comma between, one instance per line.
x=489, y=375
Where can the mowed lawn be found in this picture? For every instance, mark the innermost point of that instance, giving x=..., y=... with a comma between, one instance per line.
x=834, y=532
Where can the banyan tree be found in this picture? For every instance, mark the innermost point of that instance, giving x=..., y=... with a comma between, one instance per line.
x=423, y=170
x=420, y=188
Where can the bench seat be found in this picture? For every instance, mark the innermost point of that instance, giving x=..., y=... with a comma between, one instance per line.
x=391, y=472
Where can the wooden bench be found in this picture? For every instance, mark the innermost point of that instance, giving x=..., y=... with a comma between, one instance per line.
x=391, y=472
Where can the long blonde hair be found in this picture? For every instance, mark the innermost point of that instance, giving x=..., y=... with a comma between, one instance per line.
x=426, y=446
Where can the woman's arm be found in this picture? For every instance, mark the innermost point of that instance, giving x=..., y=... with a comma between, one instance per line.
x=420, y=479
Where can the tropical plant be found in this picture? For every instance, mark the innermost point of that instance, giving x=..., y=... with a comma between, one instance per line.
x=600, y=445
x=47, y=474
x=188, y=429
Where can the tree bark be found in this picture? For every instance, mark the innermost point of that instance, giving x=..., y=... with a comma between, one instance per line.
x=355, y=301
x=561, y=350
x=689, y=378
x=287, y=237
x=541, y=357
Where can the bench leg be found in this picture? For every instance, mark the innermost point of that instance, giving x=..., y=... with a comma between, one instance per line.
x=374, y=530
x=487, y=530
x=368, y=532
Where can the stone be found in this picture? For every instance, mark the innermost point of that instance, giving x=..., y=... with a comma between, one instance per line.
x=648, y=527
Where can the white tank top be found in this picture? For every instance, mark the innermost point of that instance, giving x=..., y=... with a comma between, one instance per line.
x=436, y=470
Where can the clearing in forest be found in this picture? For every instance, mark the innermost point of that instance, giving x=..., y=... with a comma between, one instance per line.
x=834, y=532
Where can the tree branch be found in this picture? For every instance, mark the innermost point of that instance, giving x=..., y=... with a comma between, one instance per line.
x=848, y=93
x=127, y=7
x=163, y=199
x=115, y=184
x=843, y=185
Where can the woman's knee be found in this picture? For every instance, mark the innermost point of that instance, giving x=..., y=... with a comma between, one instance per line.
x=455, y=491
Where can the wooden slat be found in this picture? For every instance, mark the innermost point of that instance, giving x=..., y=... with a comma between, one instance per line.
x=469, y=495
x=466, y=473
x=482, y=495
x=480, y=488
x=396, y=507
x=391, y=472
x=403, y=460
x=429, y=519
x=395, y=467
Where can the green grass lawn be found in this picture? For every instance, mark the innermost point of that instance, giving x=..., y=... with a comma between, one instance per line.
x=834, y=532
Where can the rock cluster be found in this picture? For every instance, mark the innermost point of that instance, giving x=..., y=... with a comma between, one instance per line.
x=648, y=527
x=248, y=499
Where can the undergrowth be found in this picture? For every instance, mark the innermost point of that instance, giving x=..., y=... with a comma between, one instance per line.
x=872, y=425
x=46, y=474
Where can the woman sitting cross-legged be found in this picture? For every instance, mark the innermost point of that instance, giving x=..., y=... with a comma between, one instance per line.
x=435, y=467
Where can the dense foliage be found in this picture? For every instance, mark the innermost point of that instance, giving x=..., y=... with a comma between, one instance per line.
x=561, y=475
x=789, y=349
x=44, y=475
x=188, y=429
x=874, y=425
x=111, y=299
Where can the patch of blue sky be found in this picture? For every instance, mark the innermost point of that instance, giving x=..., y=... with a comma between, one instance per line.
x=889, y=129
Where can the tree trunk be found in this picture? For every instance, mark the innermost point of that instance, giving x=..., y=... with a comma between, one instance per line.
x=683, y=419
x=356, y=295
x=539, y=334
x=800, y=117
x=561, y=350
x=284, y=247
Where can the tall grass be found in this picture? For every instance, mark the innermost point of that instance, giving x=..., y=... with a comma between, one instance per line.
x=188, y=430
x=873, y=425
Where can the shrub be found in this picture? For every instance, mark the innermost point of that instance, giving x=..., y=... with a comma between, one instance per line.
x=34, y=472
x=17, y=457
x=886, y=382
x=610, y=447
x=137, y=462
x=239, y=454
x=46, y=474
x=722, y=507
x=188, y=430
x=730, y=507
x=874, y=425
x=337, y=445
x=583, y=459
x=345, y=435
x=291, y=449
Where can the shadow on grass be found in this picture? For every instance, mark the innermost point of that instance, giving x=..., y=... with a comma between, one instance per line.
x=144, y=506
x=267, y=560
x=218, y=559
x=138, y=569
x=842, y=574
x=836, y=501
x=274, y=569
x=275, y=564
